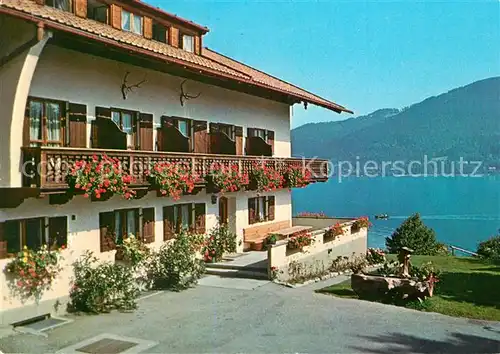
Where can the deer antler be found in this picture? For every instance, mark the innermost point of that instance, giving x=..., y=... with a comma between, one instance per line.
x=184, y=96
x=129, y=88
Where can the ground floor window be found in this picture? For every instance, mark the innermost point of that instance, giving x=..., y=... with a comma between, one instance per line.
x=32, y=233
x=260, y=209
x=190, y=216
x=117, y=225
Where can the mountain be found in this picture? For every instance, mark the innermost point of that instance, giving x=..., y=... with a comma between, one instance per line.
x=464, y=122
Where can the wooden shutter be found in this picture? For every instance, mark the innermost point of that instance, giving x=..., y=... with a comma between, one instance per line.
x=199, y=218
x=238, y=136
x=270, y=139
x=58, y=231
x=250, y=133
x=116, y=16
x=80, y=8
x=148, y=225
x=145, y=131
x=174, y=36
x=251, y=210
x=200, y=136
x=106, y=230
x=148, y=27
x=197, y=44
x=77, y=126
x=159, y=140
x=168, y=223
x=3, y=242
x=214, y=147
x=270, y=207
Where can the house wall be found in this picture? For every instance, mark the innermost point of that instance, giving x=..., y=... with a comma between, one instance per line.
x=83, y=234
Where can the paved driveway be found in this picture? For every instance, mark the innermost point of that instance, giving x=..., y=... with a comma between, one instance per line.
x=270, y=319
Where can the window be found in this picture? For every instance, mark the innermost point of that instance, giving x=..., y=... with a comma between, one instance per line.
x=32, y=233
x=184, y=127
x=64, y=5
x=45, y=122
x=124, y=119
x=187, y=42
x=131, y=22
x=160, y=33
x=97, y=11
x=183, y=216
x=227, y=129
x=261, y=133
x=260, y=209
x=117, y=225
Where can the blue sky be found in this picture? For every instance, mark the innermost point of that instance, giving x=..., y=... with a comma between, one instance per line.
x=363, y=55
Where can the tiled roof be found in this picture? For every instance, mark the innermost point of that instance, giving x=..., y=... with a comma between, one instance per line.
x=210, y=61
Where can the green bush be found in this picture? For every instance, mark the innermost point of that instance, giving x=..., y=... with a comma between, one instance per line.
x=490, y=249
x=175, y=265
x=219, y=242
x=413, y=233
x=101, y=287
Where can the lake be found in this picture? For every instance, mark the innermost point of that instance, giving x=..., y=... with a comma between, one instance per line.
x=462, y=210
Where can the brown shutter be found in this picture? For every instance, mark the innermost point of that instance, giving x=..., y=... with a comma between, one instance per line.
x=77, y=125
x=148, y=27
x=251, y=210
x=270, y=139
x=200, y=136
x=197, y=44
x=199, y=217
x=214, y=147
x=168, y=223
x=250, y=133
x=238, y=134
x=146, y=131
x=148, y=225
x=81, y=8
x=159, y=139
x=58, y=231
x=174, y=36
x=106, y=230
x=3, y=242
x=270, y=207
x=103, y=112
x=116, y=16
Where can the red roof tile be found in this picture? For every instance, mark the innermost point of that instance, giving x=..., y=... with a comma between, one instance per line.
x=210, y=61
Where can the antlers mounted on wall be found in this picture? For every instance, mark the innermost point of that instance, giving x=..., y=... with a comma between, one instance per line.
x=184, y=96
x=126, y=88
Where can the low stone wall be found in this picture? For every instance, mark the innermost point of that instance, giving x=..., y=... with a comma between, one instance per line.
x=317, y=222
x=286, y=263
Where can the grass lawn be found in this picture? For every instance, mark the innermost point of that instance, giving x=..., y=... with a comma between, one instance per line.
x=468, y=287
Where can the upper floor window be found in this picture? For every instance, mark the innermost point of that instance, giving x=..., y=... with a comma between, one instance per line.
x=187, y=42
x=124, y=119
x=97, y=11
x=131, y=22
x=64, y=5
x=160, y=33
x=45, y=122
x=227, y=129
x=261, y=133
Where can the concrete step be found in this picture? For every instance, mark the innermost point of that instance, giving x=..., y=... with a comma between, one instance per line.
x=231, y=265
x=234, y=273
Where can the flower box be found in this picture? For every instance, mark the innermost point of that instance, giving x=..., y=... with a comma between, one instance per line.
x=263, y=178
x=223, y=179
x=171, y=179
x=333, y=232
x=297, y=177
x=300, y=240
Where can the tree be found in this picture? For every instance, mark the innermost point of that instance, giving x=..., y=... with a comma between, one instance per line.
x=413, y=233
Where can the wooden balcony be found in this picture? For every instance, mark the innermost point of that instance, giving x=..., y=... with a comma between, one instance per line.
x=45, y=168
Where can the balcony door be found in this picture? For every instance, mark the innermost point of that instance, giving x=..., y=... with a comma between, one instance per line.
x=45, y=122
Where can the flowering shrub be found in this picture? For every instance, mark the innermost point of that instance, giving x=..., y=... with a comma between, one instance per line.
x=226, y=179
x=307, y=214
x=271, y=239
x=263, y=178
x=361, y=222
x=171, y=179
x=375, y=256
x=100, y=177
x=297, y=177
x=334, y=231
x=132, y=250
x=301, y=240
x=102, y=287
x=220, y=241
x=34, y=271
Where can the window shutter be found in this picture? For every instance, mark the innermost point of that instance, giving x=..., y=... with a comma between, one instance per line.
x=199, y=218
x=58, y=231
x=270, y=139
x=146, y=131
x=174, y=36
x=103, y=112
x=116, y=16
x=81, y=8
x=270, y=207
x=168, y=223
x=148, y=225
x=251, y=210
x=200, y=136
x=214, y=138
x=148, y=27
x=3, y=242
x=197, y=44
x=106, y=230
x=238, y=136
x=77, y=115
x=159, y=139
x=250, y=133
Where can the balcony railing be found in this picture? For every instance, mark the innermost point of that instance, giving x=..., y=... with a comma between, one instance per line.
x=47, y=167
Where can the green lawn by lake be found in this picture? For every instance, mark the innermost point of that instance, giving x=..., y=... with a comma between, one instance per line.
x=468, y=287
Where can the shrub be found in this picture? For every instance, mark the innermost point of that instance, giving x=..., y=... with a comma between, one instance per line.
x=102, y=287
x=175, y=265
x=132, y=250
x=413, y=233
x=375, y=256
x=490, y=249
x=220, y=241
x=171, y=179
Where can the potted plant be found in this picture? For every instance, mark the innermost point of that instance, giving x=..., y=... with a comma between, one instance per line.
x=263, y=178
x=171, y=179
x=362, y=222
x=100, y=178
x=297, y=177
x=334, y=231
x=225, y=178
x=271, y=239
x=300, y=241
